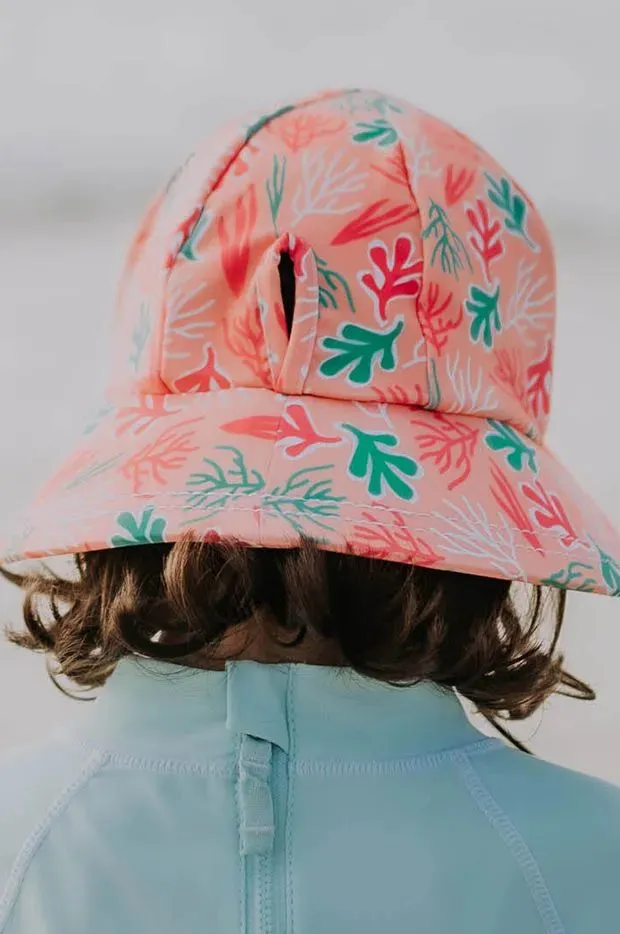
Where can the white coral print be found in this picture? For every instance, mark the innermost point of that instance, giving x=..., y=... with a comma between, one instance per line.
x=468, y=531
x=324, y=184
x=472, y=396
x=530, y=306
x=187, y=322
x=420, y=159
x=418, y=355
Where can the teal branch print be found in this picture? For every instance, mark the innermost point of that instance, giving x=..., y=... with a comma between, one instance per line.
x=330, y=284
x=568, y=575
x=142, y=529
x=189, y=250
x=92, y=469
x=359, y=350
x=610, y=569
x=305, y=500
x=264, y=119
x=305, y=496
x=224, y=483
x=449, y=248
x=379, y=131
x=383, y=105
x=504, y=438
x=381, y=468
x=275, y=188
x=512, y=206
x=356, y=100
x=484, y=309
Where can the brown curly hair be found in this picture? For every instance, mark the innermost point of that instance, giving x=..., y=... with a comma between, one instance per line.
x=388, y=621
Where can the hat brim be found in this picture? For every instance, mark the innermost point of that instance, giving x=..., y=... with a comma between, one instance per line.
x=379, y=479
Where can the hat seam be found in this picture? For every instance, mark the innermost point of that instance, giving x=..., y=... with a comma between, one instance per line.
x=416, y=205
x=368, y=507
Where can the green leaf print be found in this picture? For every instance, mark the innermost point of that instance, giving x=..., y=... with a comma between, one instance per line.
x=513, y=207
x=330, y=284
x=189, y=249
x=610, y=569
x=383, y=105
x=275, y=188
x=93, y=469
x=359, y=349
x=141, y=529
x=380, y=467
x=484, y=309
x=357, y=100
x=505, y=438
x=568, y=575
x=449, y=248
x=305, y=499
x=379, y=131
x=219, y=485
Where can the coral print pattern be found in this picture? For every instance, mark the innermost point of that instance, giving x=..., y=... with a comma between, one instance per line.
x=403, y=413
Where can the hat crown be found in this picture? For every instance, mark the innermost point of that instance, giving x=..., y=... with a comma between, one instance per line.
x=424, y=274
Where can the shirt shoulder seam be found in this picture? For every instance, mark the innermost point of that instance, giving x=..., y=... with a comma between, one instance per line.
x=513, y=840
x=165, y=766
x=328, y=768
x=8, y=899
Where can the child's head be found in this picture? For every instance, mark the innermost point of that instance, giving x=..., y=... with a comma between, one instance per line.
x=336, y=324
x=203, y=603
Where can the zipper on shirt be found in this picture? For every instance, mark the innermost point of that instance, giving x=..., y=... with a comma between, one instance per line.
x=282, y=924
x=262, y=798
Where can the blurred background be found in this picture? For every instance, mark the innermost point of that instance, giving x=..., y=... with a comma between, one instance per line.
x=100, y=101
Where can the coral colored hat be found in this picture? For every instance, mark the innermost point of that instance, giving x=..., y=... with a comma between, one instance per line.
x=404, y=416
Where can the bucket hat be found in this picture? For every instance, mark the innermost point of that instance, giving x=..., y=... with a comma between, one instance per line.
x=399, y=412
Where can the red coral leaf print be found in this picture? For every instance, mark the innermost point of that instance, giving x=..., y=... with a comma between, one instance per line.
x=206, y=378
x=450, y=445
x=393, y=277
x=486, y=241
x=539, y=383
x=142, y=416
x=506, y=498
x=549, y=512
x=182, y=234
x=294, y=427
x=166, y=453
x=235, y=245
x=299, y=128
x=508, y=372
x=244, y=337
x=394, y=168
x=256, y=426
x=434, y=324
x=457, y=185
x=398, y=395
x=394, y=541
x=240, y=166
x=377, y=216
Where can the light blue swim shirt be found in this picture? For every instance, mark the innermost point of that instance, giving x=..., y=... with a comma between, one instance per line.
x=296, y=799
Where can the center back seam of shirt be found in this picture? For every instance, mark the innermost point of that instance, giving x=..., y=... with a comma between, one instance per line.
x=93, y=764
x=509, y=834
